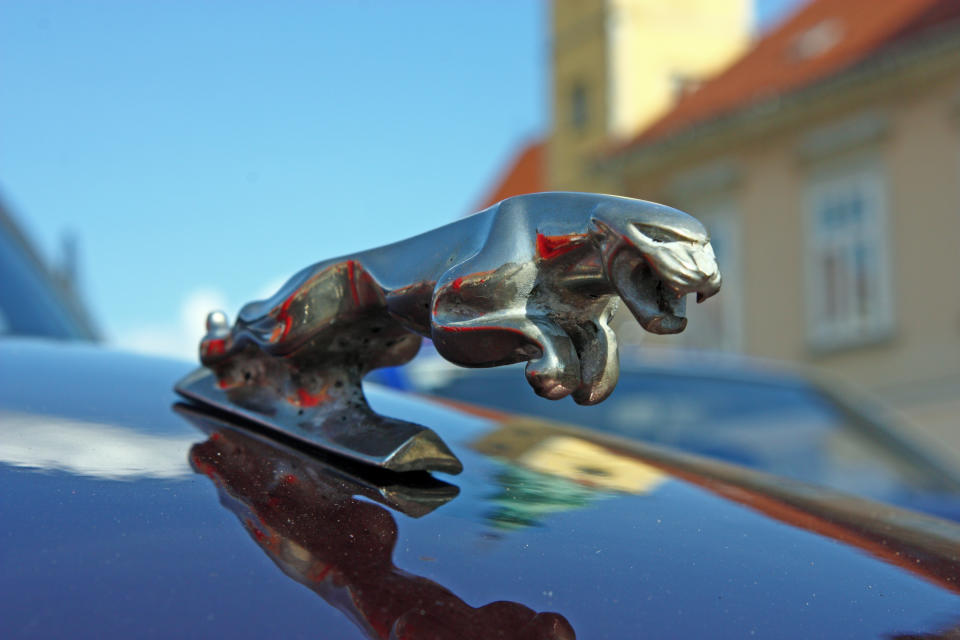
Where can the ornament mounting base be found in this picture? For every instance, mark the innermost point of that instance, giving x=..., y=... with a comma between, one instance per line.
x=342, y=423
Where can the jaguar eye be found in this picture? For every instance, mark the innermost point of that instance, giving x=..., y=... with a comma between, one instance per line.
x=658, y=234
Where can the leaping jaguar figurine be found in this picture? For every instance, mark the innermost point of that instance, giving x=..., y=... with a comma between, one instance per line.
x=534, y=278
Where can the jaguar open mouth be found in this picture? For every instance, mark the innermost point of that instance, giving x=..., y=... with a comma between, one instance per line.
x=657, y=304
x=658, y=307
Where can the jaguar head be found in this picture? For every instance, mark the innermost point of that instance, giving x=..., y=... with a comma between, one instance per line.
x=653, y=256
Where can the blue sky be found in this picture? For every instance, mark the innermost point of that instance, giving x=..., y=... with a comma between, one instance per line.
x=204, y=151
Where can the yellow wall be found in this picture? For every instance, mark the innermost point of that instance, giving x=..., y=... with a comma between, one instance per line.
x=626, y=55
x=652, y=44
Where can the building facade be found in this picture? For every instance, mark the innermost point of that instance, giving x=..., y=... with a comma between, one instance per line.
x=825, y=161
x=619, y=64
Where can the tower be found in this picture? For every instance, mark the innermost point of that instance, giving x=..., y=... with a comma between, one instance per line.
x=619, y=64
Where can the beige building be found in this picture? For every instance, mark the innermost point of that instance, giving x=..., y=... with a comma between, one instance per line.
x=825, y=160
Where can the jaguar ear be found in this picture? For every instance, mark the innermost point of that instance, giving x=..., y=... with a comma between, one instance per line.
x=657, y=234
x=598, y=225
x=608, y=226
x=606, y=236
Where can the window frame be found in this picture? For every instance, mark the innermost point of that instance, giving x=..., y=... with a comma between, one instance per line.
x=826, y=334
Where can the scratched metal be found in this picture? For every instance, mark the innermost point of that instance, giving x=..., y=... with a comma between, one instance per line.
x=535, y=278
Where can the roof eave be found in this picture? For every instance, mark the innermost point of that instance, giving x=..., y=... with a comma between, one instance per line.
x=762, y=116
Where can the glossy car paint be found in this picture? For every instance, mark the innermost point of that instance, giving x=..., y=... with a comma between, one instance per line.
x=741, y=412
x=122, y=517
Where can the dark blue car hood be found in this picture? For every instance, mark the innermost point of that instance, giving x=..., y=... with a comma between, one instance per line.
x=126, y=516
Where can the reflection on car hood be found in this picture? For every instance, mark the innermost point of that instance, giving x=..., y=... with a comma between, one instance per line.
x=126, y=515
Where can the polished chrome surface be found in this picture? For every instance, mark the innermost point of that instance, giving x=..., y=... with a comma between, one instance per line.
x=341, y=423
x=535, y=278
x=414, y=495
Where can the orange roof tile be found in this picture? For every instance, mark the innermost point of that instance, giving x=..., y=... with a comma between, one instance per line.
x=822, y=38
x=527, y=174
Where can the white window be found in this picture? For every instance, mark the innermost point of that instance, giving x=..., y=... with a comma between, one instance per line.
x=848, y=275
x=717, y=324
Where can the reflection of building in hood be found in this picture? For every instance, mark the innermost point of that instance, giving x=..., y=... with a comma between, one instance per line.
x=558, y=451
x=527, y=497
x=591, y=465
x=304, y=516
x=550, y=470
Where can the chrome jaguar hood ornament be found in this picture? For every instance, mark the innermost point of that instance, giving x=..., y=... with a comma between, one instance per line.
x=535, y=278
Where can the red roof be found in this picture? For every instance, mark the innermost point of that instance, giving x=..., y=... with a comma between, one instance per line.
x=526, y=174
x=821, y=39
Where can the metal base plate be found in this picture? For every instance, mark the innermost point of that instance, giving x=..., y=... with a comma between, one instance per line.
x=351, y=430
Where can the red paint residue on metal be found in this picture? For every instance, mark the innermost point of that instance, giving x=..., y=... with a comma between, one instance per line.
x=549, y=247
x=478, y=278
x=318, y=572
x=283, y=316
x=305, y=399
x=204, y=467
x=267, y=539
x=351, y=276
x=214, y=347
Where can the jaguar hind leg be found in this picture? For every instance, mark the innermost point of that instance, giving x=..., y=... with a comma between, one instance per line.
x=556, y=373
x=596, y=345
x=553, y=368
